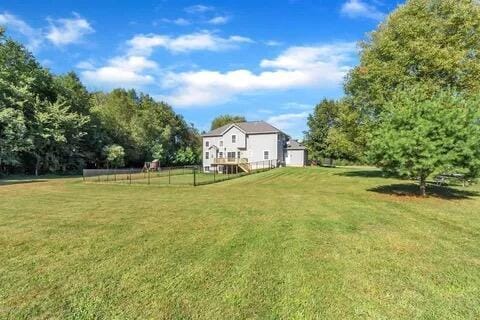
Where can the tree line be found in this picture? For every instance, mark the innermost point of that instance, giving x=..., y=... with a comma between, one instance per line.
x=411, y=106
x=53, y=124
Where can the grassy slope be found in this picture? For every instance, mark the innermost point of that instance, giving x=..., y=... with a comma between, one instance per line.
x=289, y=243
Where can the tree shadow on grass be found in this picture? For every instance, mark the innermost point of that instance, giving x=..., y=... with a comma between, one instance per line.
x=412, y=190
x=364, y=174
x=5, y=183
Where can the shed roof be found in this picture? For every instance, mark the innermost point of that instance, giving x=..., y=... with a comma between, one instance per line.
x=295, y=145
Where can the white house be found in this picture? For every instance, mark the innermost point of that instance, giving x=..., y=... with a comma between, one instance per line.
x=244, y=146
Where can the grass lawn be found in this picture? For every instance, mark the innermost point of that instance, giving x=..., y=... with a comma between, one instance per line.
x=288, y=243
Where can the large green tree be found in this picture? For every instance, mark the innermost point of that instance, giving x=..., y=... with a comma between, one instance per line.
x=420, y=134
x=70, y=90
x=320, y=122
x=143, y=126
x=346, y=139
x=13, y=138
x=51, y=123
x=30, y=96
x=432, y=42
x=57, y=134
x=334, y=131
x=226, y=119
x=115, y=155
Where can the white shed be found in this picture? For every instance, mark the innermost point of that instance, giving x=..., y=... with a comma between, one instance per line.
x=296, y=154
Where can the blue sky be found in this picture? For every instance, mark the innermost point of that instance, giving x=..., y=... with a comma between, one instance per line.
x=268, y=60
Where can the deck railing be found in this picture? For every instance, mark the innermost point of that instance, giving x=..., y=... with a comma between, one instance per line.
x=229, y=160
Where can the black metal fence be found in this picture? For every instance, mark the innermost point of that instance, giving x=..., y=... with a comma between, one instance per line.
x=186, y=175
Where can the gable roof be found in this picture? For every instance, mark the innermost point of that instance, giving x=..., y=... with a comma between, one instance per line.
x=250, y=127
x=295, y=145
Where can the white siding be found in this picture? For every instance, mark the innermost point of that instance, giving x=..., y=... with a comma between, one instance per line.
x=228, y=145
x=258, y=143
x=250, y=146
x=213, y=141
x=215, y=147
x=296, y=158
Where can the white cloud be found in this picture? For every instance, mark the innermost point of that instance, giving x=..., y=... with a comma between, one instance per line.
x=273, y=43
x=181, y=22
x=59, y=32
x=120, y=72
x=33, y=36
x=178, y=21
x=297, y=67
x=85, y=65
x=198, y=8
x=297, y=106
x=293, y=123
x=359, y=8
x=144, y=44
x=135, y=69
x=219, y=20
x=68, y=30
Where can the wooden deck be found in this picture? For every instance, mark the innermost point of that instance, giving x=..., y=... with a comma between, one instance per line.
x=229, y=160
x=241, y=163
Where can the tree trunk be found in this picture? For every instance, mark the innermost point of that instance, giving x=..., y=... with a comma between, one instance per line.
x=423, y=186
x=37, y=166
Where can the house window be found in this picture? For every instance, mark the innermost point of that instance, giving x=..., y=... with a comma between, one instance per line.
x=207, y=144
x=207, y=169
x=234, y=139
x=221, y=143
x=220, y=154
x=238, y=154
x=265, y=155
x=206, y=155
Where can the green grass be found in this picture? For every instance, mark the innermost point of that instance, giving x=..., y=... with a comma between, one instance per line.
x=288, y=243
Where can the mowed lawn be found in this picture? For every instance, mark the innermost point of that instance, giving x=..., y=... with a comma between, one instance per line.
x=288, y=243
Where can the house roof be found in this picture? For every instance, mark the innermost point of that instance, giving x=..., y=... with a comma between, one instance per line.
x=295, y=145
x=250, y=127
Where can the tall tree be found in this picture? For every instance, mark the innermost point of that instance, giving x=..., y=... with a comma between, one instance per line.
x=346, y=138
x=70, y=90
x=52, y=123
x=320, y=122
x=432, y=42
x=334, y=131
x=226, y=119
x=57, y=133
x=141, y=125
x=186, y=156
x=13, y=138
x=115, y=155
x=420, y=134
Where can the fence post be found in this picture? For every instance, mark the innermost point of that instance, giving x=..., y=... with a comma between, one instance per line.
x=148, y=175
x=115, y=174
x=130, y=174
x=83, y=174
x=194, y=177
x=214, y=173
x=169, y=174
